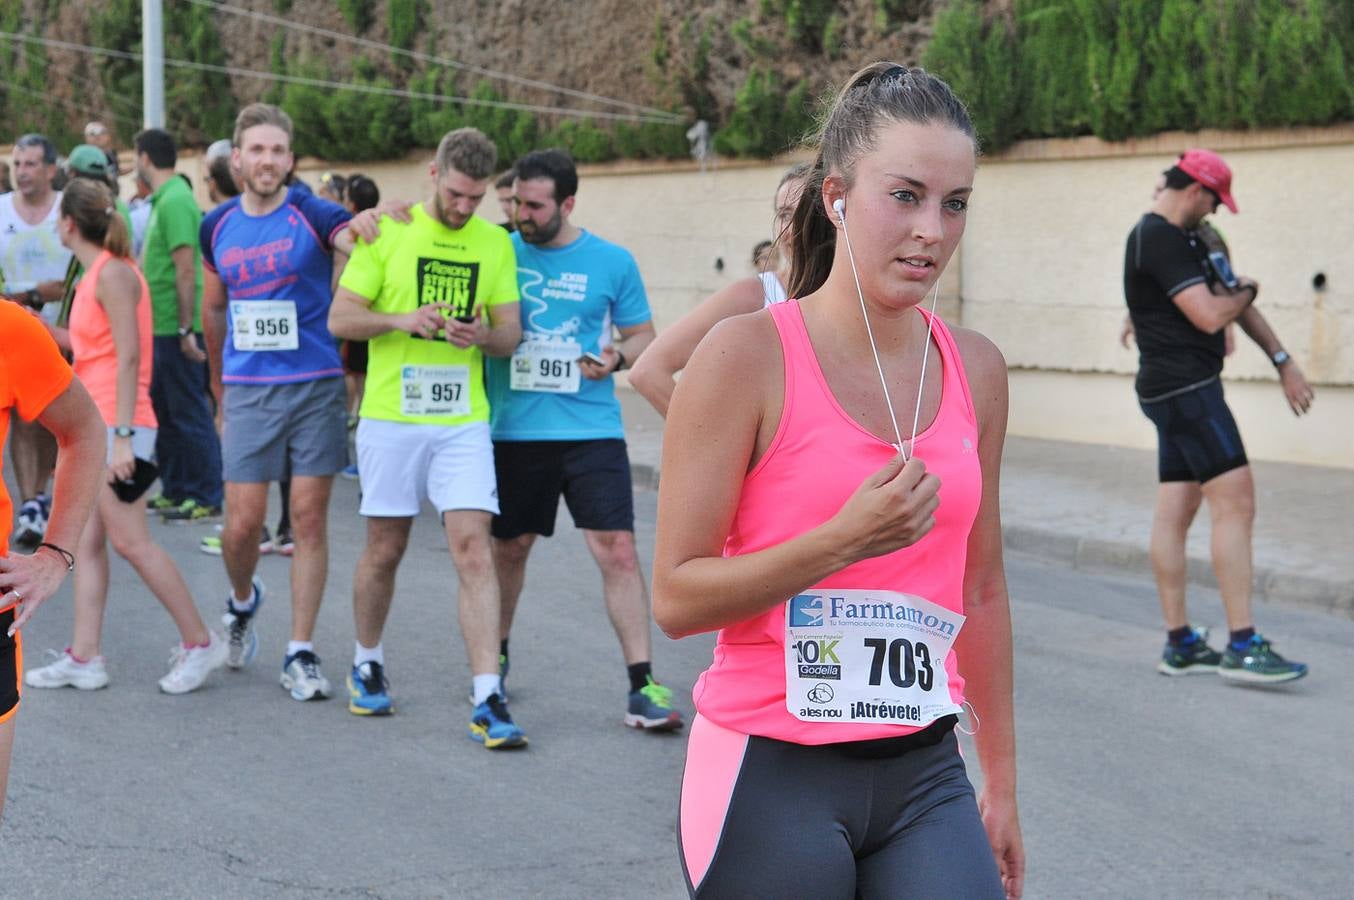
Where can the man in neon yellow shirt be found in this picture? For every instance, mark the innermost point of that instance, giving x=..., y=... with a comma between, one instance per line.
x=433, y=296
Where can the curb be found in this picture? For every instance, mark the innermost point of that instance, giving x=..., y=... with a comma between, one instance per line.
x=1272, y=585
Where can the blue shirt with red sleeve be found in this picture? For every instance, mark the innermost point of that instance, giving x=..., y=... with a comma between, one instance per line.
x=283, y=256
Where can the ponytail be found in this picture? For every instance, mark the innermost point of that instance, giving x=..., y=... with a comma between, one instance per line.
x=813, y=238
x=116, y=240
x=91, y=206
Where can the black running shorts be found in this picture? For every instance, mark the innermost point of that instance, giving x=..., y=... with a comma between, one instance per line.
x=1197, y=438
x=592, y=476
x=11, y=666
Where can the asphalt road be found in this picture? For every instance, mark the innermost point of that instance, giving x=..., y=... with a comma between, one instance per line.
x=1132, y=785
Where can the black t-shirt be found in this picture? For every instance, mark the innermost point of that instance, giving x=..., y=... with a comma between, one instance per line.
x=1162, y=260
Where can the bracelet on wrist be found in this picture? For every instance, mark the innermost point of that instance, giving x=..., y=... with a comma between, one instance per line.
x=66, y=555
x=620, y=361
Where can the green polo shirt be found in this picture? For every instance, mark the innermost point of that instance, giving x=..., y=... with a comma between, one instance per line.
x=174, y=221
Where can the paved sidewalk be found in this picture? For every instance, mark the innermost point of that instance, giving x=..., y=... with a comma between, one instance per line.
x=1089, y=506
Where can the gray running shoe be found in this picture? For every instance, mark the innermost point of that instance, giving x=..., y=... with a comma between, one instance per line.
x=243, y=641
x=302, y=676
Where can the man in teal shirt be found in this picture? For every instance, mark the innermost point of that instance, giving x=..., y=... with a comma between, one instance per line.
x=187, y=446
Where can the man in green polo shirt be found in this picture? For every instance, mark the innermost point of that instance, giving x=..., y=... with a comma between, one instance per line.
x=187, y=446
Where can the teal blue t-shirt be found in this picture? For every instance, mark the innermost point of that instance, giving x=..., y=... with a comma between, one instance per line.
x=571, y=297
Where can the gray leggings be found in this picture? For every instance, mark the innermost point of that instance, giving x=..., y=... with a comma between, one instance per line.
x=831, y=821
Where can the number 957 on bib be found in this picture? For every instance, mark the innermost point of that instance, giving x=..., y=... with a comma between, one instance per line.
x=435, y=390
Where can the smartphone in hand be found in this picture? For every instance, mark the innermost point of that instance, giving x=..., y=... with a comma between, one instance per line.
x=592, y=358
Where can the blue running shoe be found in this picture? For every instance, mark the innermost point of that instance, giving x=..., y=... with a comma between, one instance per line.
x=1189, y=658
x=1258, y=663
x=369, y=691
x=242, y=640
x=651, y=709
x=492, y=726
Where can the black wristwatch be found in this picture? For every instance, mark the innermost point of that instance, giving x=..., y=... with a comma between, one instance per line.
x=1279, y=358
x=124, y=431
x=184, y=332
x=620, y=361
x=33, y=299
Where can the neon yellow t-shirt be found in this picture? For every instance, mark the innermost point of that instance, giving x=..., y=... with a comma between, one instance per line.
x=411, y=379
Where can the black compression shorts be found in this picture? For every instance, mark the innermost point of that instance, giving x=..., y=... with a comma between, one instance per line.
x=1197, y=437
x=11, y=666
x=873, y=819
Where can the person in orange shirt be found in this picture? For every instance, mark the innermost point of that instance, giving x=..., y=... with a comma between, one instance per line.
x=110, y=335
x=36, y=383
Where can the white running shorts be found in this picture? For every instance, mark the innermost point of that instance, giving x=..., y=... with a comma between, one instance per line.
x=399, y=463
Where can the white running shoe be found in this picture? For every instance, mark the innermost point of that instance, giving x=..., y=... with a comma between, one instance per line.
x=302, y=676
x=240, y=633
x=65, y=670
x=189, y=668
x=30, y=525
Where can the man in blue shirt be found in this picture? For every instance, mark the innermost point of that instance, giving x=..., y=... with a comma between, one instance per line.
x=555, y=418
x=270, y=258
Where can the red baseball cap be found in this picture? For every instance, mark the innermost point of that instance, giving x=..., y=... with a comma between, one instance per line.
x=1207, y=168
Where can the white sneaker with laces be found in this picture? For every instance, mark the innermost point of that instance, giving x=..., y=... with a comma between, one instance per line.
x=189, y=668
x=240, y=633
x=65, y=670
x=302, y=676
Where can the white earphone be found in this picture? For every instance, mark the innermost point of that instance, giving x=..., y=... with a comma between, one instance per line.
x=839, y=207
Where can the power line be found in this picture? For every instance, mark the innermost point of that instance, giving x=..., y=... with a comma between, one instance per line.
x=437, y=60
x=339, y=85
x=129, y=104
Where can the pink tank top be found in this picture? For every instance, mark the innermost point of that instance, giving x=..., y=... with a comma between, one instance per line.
x=96, y=358
x=817, y=459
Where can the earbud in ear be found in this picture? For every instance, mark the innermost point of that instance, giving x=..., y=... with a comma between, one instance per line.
x=839, y=205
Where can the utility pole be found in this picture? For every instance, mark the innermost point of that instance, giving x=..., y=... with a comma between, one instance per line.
x=153, y=63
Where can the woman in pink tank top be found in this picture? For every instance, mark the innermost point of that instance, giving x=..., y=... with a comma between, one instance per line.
x=110, y=336
x=835, y=518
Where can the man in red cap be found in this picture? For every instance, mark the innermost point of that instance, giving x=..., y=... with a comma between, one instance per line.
x=1181, y=296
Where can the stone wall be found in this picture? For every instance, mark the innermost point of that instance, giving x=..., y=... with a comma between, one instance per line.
x=1040, y=270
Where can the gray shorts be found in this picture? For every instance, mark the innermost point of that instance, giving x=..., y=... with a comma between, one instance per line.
x=268, y=426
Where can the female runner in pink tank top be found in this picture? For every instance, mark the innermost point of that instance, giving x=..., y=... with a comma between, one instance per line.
x=110, y=336
x=858, y=591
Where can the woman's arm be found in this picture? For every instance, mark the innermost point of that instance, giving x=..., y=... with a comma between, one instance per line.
x=74, y=421
x=984, y=644
x=119, y=291
x=712, y=438
x=653, y=374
